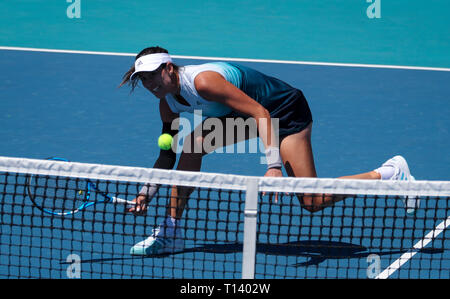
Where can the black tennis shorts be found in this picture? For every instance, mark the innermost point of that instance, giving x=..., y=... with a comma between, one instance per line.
x=293, y=114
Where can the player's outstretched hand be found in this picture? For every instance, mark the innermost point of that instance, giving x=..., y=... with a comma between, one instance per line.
x=273, y=172
x=141, y=206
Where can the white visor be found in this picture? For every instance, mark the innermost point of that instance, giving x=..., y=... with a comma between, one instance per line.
x=149, y=63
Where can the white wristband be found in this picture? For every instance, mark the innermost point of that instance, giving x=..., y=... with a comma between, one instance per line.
x=273, y=157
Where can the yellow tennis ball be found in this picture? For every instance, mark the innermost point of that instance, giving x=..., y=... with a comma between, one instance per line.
x=165, y=141
x=80, y=192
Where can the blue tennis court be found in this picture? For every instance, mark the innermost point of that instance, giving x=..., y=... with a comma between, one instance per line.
x=69, y=105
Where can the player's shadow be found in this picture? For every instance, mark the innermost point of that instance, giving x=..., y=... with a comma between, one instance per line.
x=316, y=251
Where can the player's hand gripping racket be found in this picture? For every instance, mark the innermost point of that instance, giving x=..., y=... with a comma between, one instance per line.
x=65, y=195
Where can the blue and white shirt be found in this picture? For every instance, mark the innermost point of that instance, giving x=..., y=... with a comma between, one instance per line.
x=268, y=91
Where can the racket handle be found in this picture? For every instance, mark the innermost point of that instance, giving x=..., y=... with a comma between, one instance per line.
x=129, y=204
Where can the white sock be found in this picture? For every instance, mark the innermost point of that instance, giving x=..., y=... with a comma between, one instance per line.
x=170, y=221
x=386, y=172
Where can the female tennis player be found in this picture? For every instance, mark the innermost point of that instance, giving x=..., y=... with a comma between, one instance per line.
x=228, y=90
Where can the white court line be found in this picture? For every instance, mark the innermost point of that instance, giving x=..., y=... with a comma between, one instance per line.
x=65, y=51
x=237, y=59
x=419, y=245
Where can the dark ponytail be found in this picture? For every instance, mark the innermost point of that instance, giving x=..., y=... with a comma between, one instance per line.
x=126, y=79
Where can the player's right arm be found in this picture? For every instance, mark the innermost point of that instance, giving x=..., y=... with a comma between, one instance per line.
x=166, y=158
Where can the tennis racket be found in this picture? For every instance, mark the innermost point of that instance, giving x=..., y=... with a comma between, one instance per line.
x=64, y=196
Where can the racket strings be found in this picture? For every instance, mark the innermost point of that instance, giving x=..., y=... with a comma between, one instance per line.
x=58, y=195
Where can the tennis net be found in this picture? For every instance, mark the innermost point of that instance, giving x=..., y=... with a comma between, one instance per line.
x=230, y=229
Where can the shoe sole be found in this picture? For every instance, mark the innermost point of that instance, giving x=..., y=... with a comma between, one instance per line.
x=404, y=166
x=156, y=248
x=412, y=204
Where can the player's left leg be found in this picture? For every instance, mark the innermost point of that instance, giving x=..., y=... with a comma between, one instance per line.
x=207, y=137
x=297, y=154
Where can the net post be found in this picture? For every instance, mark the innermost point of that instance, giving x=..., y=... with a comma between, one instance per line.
x=250, y=221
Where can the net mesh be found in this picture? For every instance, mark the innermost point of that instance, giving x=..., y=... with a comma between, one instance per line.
x=367, y=235
x=357, y=238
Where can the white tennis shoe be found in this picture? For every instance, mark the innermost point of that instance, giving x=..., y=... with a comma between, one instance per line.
x=159, y=243
x=402, y=173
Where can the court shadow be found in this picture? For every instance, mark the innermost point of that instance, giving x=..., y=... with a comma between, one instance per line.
x=316, y=251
